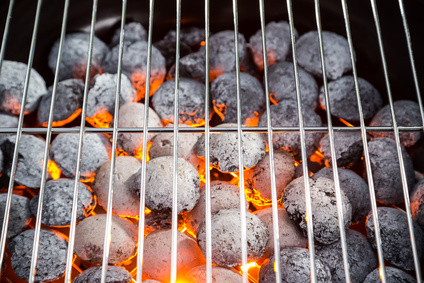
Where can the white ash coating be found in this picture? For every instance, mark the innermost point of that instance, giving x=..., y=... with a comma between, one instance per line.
x=134, y=65
x=68, y=103
x=19, y=215
x=294, y=267
x=125, y=201
x=289, y=234
x=191, y=96
x=131, y=115
x=226, y=237
x=386, y=171
x=278, y=43
x=58, y=199
x=336, y=52
x=52, y=251
x=355, y=188
x=343, y=99
x=224, y=149
x=324, y=208
x=192, y=66
x=393, y=275
x=224, y=98
x=285, y=114
x=90, y=234
x=157, y=254
x=407, y=114
x=224, y=195
x=73, y=63
x=30, y=159
x=361, y=257
x=417, y=202
x=219, y=274
x=64, y=151
x=101, y=98
x=12, y=83
x=7, y=121
x=115, y=274
x=132, y=32
x=282, y=85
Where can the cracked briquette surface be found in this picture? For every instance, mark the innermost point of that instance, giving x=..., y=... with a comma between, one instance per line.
x=198, y=274
x=294, y=267
x=343, y=99
x=224, y=149
x=336, y=51
x=133, y=32
x=324, y=208
x=12, y=83
x=395, y=239
x=224, y=98
x=73, y=62
x=386, y=171
x=58, y=199
x=393, y=275
x=52, y=251
x=19, y=215
x=115, y=274
x=226, y=237
x=417, y=202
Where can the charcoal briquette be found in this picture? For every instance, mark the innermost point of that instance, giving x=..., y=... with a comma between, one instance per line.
x=19, y=215
x=393, y=275
x=417, y=200
x=7, y=121
x=133, y=32
x=198, y=274
x=115, y=274
x=192, y=66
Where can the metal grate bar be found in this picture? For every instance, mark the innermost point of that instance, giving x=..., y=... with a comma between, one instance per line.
x=6, y=32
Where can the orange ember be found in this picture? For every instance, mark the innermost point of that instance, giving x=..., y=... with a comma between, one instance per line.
x=252, y=121
x=380, y=272
x=53, y=170
x=345, y=122
x=89, y=179
x=101, y=119
x=64, y=122
x=273, y=99
x=138, y=80
x=202, y=43
x=139, y=152
x=252, y=269
x=317, y=157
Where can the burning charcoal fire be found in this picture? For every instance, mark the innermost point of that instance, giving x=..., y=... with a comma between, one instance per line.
x=51, y=261
x=125, y=201
x=157, y=255
x=219, y=274
x=343, y=99
x=393, y=275
x=224, y=149
x=69, y=98
x=224, y=98
x=226, y=237
x=134, y=65
x=12, y=83
x=101, y=98
x=115, y=274
x=407, y=114
x=133, y=32
x=395, y=238
x=159, y=221
x=361, y=257
x=7, y=121
x=192, y=66
x=324, y=207
x=19, y=216
x=95, y=152
x=336, y=51
x=294, y=267
x=282, y=85
x=57, y=202
x=73, y=64
x=386, y=171
x=191, y=102
x=417, y=199
x=89, y=239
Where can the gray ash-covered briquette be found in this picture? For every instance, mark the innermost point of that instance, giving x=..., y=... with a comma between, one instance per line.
x=19, y=215
x=51, y=260
x=7, y=121
x=324, y=208
x=57, y=202
x=282, y=85
x=285, y=114
x=224, y=98
x=191, y=66
x=395, y=239
x=224, y=149
x=361, y=257
x=191, y=102
x=278, y=43
x=134, y=66
x=198, y=274
x=73, y=64
x=115, y=274
x=386, y=171
x=64, y=151
x=226, y=237
x=133, y=32
x=343, y=99
x=417, y=202
x=294, y=267
x=393, y=275
x=336, y=51
x=101, y=98
x=89, y=239
x=12, y=83
x=407, y=114
x=69, y=97
x=355, y=188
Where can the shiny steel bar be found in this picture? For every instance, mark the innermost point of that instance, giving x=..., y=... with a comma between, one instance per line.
x=6, y=32
x=398, y=144
x=303, y=148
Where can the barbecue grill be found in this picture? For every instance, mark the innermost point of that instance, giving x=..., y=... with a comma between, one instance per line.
x=384, y=35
